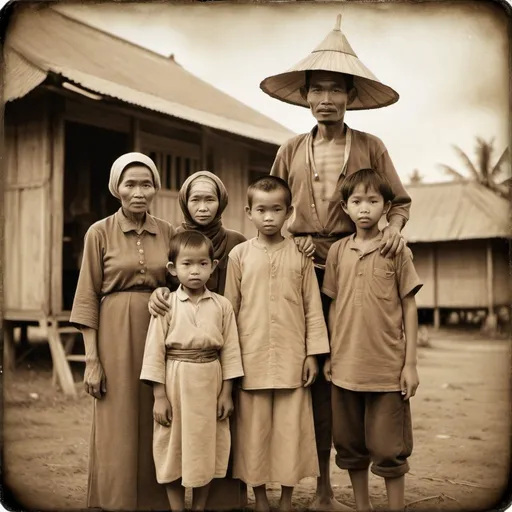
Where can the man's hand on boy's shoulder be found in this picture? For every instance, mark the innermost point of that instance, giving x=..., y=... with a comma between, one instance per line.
x=393, y=242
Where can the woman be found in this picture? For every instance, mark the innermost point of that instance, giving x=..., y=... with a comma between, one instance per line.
x=124, y=260
x=203, y=198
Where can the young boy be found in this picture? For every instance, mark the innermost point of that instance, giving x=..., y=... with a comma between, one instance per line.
x=276, y=300
x=191, y=356
x=373, y=328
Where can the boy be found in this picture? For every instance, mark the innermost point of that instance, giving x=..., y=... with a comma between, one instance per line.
x=276, y=300
x=191, y=356
x=372, y=365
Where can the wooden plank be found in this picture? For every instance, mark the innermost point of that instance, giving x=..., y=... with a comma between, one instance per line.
x=461, y=274
x=56, y=206
x=60, y=363
x=11, y=153
x=12, y=251
x=32, y=248
x=46, y=214
x=435, y=277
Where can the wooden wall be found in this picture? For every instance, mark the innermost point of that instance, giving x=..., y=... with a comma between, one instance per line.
x=457, y=273
x=27, y=206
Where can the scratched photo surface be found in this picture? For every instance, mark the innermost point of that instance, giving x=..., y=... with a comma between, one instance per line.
x=84, y=84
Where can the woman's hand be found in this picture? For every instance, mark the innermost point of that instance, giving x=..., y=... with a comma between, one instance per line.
x=225, y=405
x=162, y=411
x=94, y=378
x=309, y=371
x=157, y=304
x=305, y=245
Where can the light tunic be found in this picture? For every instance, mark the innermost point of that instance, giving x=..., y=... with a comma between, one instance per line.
x=196, y=445
x=276, y=299
x=120, y=267
x=278, y=309
x=367, y=336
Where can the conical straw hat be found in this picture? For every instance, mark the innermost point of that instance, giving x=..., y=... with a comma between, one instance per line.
x=334, y=53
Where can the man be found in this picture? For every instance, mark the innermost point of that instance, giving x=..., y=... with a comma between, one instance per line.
x=330, y=81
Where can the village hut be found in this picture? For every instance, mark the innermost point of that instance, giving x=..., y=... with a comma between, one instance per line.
x=459, y=233
x=75, y=99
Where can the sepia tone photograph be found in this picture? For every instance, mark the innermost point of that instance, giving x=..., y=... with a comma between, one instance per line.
x=256, y=255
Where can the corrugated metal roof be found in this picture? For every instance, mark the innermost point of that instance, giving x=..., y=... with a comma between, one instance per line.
x=41, y=40
x=456, y=211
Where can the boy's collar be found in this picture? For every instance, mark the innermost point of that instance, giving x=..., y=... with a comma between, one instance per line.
x=183, y=295
x=372, y=246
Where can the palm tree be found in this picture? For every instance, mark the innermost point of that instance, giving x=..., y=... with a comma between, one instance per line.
x=483, y=172
x=415, y=178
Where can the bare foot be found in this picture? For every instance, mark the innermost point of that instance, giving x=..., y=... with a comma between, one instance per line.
x=329, y=504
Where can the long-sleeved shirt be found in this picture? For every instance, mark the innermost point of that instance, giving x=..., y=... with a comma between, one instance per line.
x=292, y=164
x=208, y=324
x=276, y=299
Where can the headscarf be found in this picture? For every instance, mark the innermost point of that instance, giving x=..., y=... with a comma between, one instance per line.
x=124, y=161
x=214, y=231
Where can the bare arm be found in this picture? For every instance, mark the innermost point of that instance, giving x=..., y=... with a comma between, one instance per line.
x=94, y=375
x=409, y=379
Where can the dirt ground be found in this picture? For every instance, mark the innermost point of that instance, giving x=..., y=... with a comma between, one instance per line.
x=461, y=418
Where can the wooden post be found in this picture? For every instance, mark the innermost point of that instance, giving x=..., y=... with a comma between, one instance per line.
x=491, y=320
x=437, y=315
x=8, y=345
x=57, y=205
x=60, y=362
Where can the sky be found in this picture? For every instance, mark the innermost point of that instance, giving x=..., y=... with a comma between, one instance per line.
x=447, y=60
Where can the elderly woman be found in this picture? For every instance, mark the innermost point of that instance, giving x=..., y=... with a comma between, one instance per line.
x=124, y=260
x=203, y=199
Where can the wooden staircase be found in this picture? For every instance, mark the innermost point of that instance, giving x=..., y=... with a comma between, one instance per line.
x=62, y=338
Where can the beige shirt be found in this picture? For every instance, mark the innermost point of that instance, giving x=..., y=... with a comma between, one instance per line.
x=208, y=324
x=366, y=321
x=291, y=164
x=277, y=304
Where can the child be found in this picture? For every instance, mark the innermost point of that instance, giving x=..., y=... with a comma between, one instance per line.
x=191, y=356
x=372, y=365
x=276, y=299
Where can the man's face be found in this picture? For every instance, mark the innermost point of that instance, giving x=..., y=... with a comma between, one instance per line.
x=328, y=97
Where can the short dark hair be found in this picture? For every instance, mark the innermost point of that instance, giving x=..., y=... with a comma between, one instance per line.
x=269, y=184
x=190, y=239
x=369, y=178
x=349, y=80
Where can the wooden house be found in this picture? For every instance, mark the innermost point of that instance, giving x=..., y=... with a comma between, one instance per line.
x=459, y=233
x=75, y=99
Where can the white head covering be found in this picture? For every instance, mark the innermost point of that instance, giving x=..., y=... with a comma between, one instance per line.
x=120, y=165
